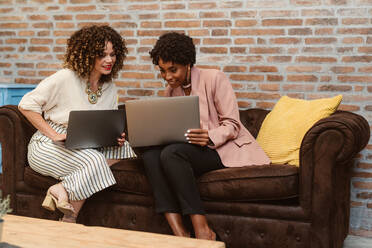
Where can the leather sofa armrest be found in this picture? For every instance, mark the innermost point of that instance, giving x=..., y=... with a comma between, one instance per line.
x=353, y=133
x=15, y=133
x=327, y=155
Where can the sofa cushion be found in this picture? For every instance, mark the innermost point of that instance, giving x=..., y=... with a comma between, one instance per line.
x=37, y=180
x=130, y=177
x=128, y=173
x=251, y=183
x=285, y=126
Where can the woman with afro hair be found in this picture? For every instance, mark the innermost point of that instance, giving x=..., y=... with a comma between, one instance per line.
x=221, y=141
x=94, y=56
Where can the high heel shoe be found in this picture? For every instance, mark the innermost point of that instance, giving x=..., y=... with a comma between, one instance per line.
x=51, y=202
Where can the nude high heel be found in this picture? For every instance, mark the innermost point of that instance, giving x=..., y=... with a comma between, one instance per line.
x=51, y=203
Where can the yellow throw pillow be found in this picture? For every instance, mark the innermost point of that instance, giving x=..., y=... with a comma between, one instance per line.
x=285, y=126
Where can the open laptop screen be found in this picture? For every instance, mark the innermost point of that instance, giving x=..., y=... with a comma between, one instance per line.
x=161, y=120
x=94, y=128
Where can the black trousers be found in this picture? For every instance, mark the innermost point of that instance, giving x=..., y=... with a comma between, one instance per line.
x=172, y=172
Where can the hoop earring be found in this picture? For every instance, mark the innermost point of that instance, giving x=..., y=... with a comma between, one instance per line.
x=188, y=78
x=188, y=75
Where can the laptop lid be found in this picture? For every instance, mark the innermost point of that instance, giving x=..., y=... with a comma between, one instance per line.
x=94, y=128
x=161, y=120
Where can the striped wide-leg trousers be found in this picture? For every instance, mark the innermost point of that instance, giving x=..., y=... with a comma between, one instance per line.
x=83, y=172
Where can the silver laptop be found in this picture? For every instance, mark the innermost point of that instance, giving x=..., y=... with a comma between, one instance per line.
x=94, y=128
x=161, y=120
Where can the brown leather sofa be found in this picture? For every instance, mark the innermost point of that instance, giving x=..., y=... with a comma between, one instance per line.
x=259, y=206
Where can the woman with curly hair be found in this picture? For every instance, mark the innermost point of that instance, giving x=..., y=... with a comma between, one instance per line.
x=94, y=56
x=221, y=141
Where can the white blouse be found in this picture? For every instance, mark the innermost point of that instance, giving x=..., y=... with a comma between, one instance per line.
x=63, y=92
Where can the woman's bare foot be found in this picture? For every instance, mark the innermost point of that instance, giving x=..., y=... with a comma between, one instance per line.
x=205, y=234
x=201, y=227
x=68, y=218
x=77, y=205
x=176, y=224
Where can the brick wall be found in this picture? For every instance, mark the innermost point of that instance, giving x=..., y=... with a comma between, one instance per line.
x=269, y=48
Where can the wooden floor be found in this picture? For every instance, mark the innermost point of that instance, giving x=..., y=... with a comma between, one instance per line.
x=357, y=242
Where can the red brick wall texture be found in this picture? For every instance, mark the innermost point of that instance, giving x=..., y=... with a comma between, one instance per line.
x=269, y=48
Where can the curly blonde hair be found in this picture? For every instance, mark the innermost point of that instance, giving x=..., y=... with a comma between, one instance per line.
x=88, y=43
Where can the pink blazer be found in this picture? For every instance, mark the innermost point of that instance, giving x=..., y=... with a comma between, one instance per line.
x=219, y=114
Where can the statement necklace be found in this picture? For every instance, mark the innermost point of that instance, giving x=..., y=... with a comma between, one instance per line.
x=93, y=96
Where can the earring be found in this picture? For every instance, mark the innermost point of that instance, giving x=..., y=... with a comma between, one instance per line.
x=188, y=79
x=188, y=75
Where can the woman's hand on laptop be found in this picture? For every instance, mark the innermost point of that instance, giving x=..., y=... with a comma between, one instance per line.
x=59, y=139
x=121, y=140
x=197, y=137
